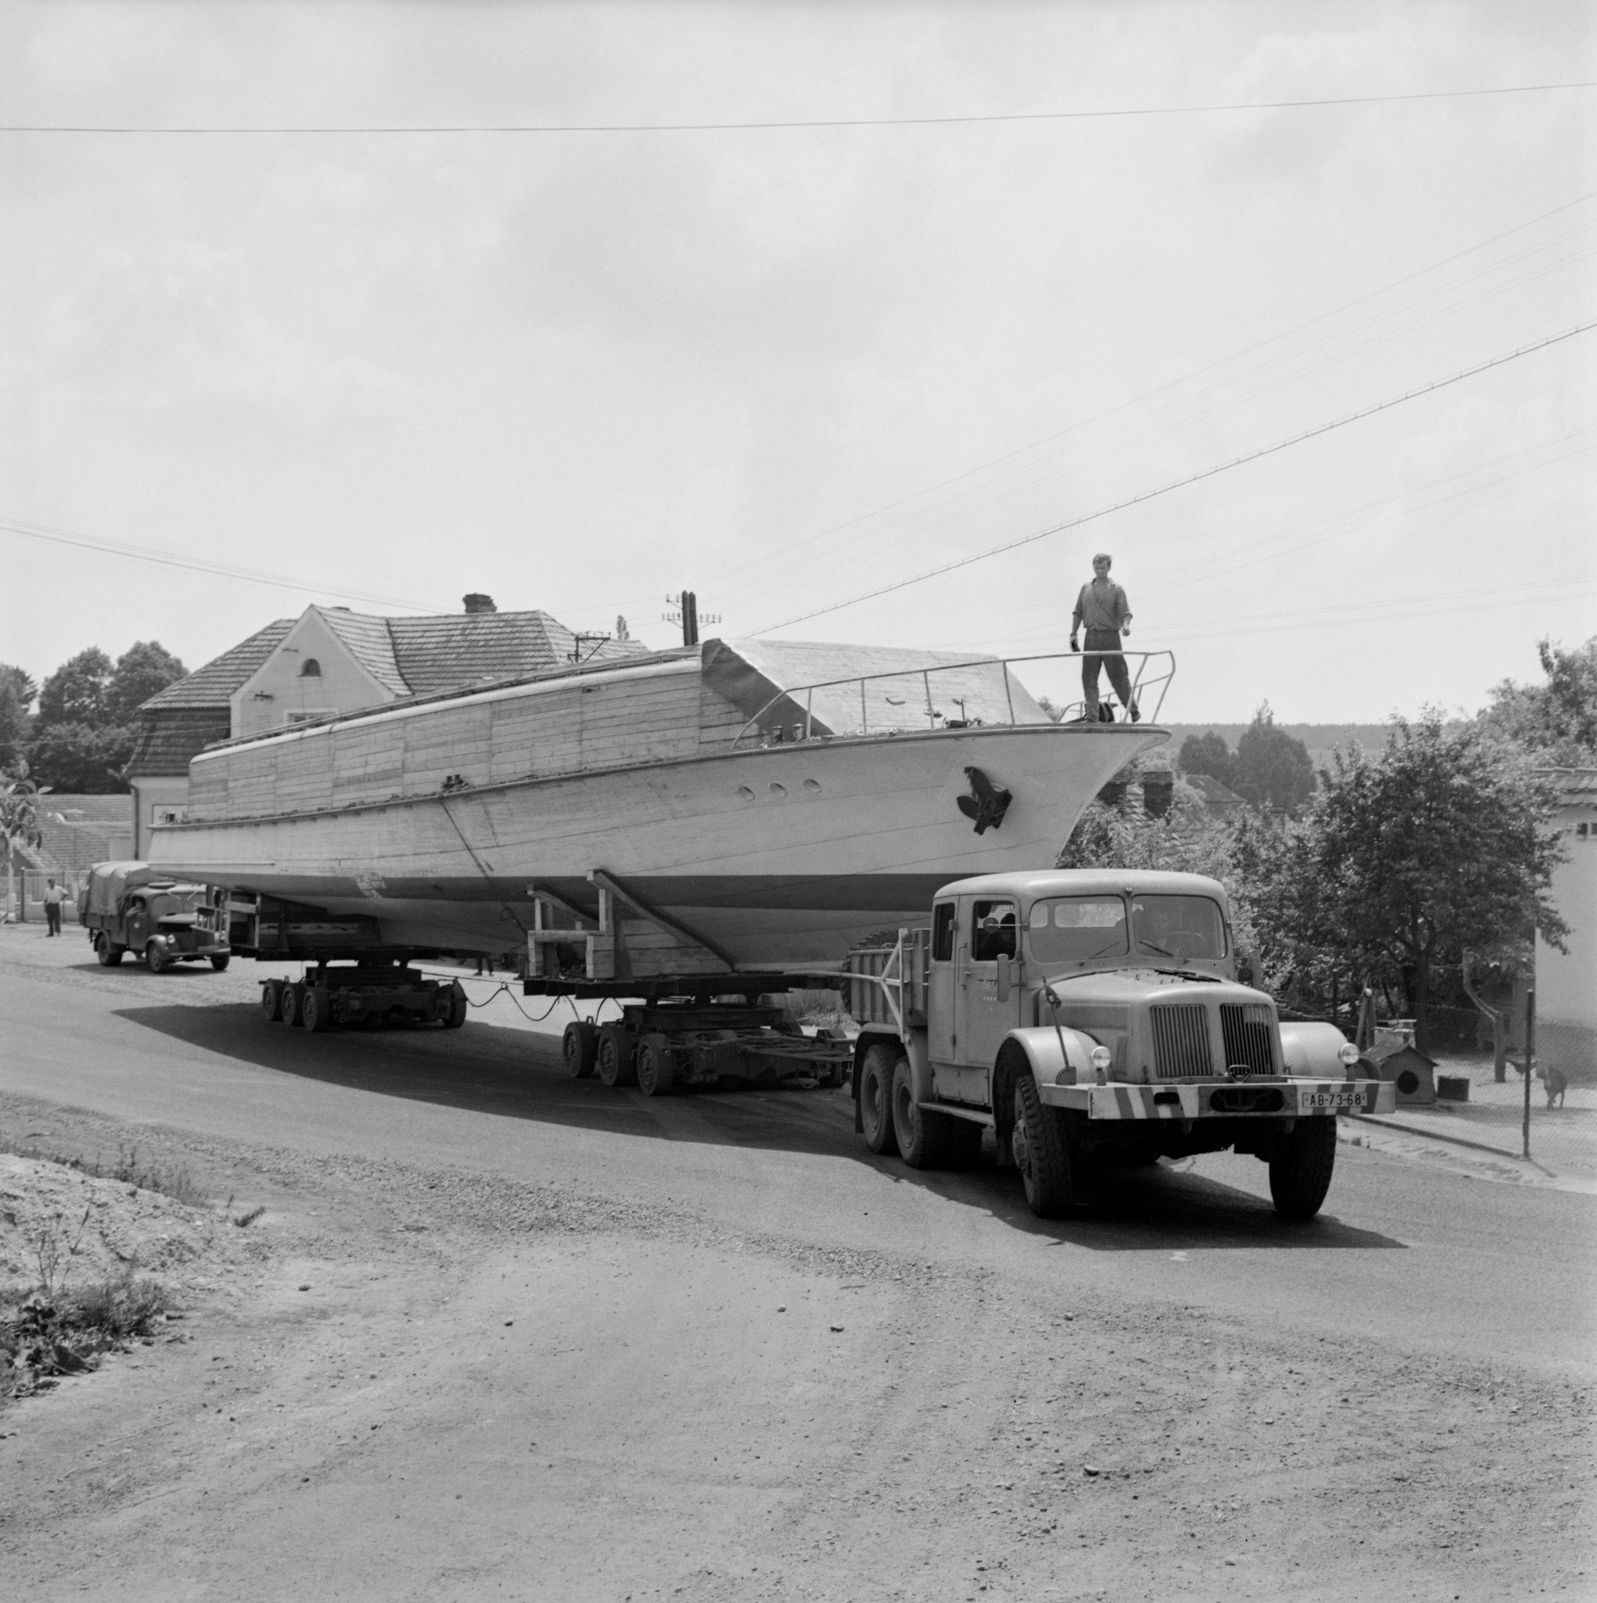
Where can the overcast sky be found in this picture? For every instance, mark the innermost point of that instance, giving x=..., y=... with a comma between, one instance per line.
x=1032, y=271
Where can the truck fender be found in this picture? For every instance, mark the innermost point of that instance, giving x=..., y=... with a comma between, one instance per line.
x=1310, y=1051
x=1053, y=1057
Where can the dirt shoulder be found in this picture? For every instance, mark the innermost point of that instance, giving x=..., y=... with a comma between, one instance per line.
x=403, y=1382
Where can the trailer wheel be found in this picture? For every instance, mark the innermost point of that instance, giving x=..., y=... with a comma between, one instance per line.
x=876, y=1098
x=155, y=959
x=292, y=1002
x=655, y=1071
x=1300, y=1170
x=579, y=1047
x=455, y=1006
x=220, y=961
x=272, y=1000
x=615, y=1058
x=316, y=1009
x=1042, y=1152
x=923, y=1139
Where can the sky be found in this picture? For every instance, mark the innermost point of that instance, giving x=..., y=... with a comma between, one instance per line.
x=863, y=322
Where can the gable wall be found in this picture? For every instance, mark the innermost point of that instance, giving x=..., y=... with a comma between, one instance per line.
x=343, y=686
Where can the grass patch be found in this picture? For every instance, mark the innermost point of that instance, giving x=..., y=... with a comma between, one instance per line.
x=43, y=1336
x=127, y=1168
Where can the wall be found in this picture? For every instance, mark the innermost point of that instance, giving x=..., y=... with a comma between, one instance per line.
x=278, y=690
x=148, y=795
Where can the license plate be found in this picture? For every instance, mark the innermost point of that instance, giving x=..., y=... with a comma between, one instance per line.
x=1348, y=1100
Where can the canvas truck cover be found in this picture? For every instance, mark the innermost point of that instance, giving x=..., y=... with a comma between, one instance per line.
x=108, y=882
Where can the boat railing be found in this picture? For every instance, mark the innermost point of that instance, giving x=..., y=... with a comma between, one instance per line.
x=982, y=692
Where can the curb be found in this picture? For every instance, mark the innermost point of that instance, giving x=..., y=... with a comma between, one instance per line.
x=1381, y=1122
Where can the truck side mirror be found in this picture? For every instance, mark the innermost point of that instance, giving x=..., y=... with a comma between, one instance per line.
x=1003, y=981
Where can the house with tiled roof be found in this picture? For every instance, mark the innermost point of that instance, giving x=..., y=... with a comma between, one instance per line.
x=333, y=660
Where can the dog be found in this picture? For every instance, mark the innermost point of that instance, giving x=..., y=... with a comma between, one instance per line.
x=1555, y=1082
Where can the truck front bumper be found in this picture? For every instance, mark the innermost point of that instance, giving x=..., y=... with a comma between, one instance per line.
x=1224, y=1099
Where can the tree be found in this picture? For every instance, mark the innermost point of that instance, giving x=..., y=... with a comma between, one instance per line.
x=143, y=670
x=19, y=816
x=82, y=759
x=17, y=691
x=1272, y=768
x=1555, y=722
x=76, y=692
x=1208, y=754
x=1445, y=842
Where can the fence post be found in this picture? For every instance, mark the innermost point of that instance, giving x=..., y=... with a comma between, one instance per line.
x=1530, y=1057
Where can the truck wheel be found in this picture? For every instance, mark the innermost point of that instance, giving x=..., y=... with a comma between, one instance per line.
x=292, y=1000
x=220, y=961
x=615, y=1058
x=1300, y=1171
x=115, y=952
x=272, y=1000
x=1042, y=1152
x=155, y=959
x=922, y=1138
x=579, y=1047
x=316, y=1009
x=655, y=1072
x=876, y=1098
x=455, y=1006
x=103, y=952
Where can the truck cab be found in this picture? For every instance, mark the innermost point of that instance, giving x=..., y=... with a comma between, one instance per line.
x=1087, y=1016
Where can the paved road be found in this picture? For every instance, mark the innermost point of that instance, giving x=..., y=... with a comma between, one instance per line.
x=1435, y=1260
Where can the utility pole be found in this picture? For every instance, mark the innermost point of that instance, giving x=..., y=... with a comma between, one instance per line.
x=687, y=614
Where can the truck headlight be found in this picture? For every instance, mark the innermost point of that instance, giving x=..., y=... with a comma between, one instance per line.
x=1102, y=1057
x=1348, y=1053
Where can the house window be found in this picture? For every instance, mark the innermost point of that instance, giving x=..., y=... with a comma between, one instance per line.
x=311, y=669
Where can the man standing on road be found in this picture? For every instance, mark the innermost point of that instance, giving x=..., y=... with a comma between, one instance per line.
x=54, y=896
x=1103, y=608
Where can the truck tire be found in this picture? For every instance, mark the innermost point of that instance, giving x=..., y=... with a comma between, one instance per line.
x=106, y=954
x=289, y=1005
x=155, y=959
x=579, y=1047
x=1300, y=1170
x=876, y=1098
x=615, y=1058
x=272, y=1000
x=923, y=1139
x=316, y=1009
x=656, y=1074
x=1042, y=1152
x=220, y=961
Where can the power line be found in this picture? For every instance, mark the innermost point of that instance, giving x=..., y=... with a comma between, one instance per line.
x=170, y=559
x=1177, y=484
x=779, y=125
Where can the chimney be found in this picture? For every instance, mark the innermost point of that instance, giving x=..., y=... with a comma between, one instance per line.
x=476, y=604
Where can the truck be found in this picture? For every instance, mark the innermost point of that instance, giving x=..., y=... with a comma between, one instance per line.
x=1085, y=1020
x=131, y=907
x=1091, y=1019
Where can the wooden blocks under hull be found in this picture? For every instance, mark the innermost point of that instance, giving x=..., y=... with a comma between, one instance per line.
x=624, y=940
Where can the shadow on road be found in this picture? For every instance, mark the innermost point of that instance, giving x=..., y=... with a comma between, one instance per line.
x=519, y=1075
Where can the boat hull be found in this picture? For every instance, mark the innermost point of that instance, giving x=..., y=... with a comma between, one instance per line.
x=778, y=858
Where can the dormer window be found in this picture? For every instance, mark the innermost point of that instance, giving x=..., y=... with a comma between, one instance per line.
x=312, y=669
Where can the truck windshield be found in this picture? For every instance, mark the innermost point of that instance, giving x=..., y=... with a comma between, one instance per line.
x=1178, y=927
x=1074, y=929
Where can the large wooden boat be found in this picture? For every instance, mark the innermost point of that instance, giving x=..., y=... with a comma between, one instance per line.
x=769, y=803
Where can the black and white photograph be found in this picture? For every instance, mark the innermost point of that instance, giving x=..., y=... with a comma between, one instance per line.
x=911, y=687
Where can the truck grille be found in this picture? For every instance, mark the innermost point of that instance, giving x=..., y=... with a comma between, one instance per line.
x=1248, y=1029
x=1180, y=1041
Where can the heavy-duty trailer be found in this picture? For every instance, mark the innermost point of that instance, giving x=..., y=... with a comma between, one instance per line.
x=351, y=978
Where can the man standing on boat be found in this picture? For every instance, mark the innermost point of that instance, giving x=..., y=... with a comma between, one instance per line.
x=1102, y=607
